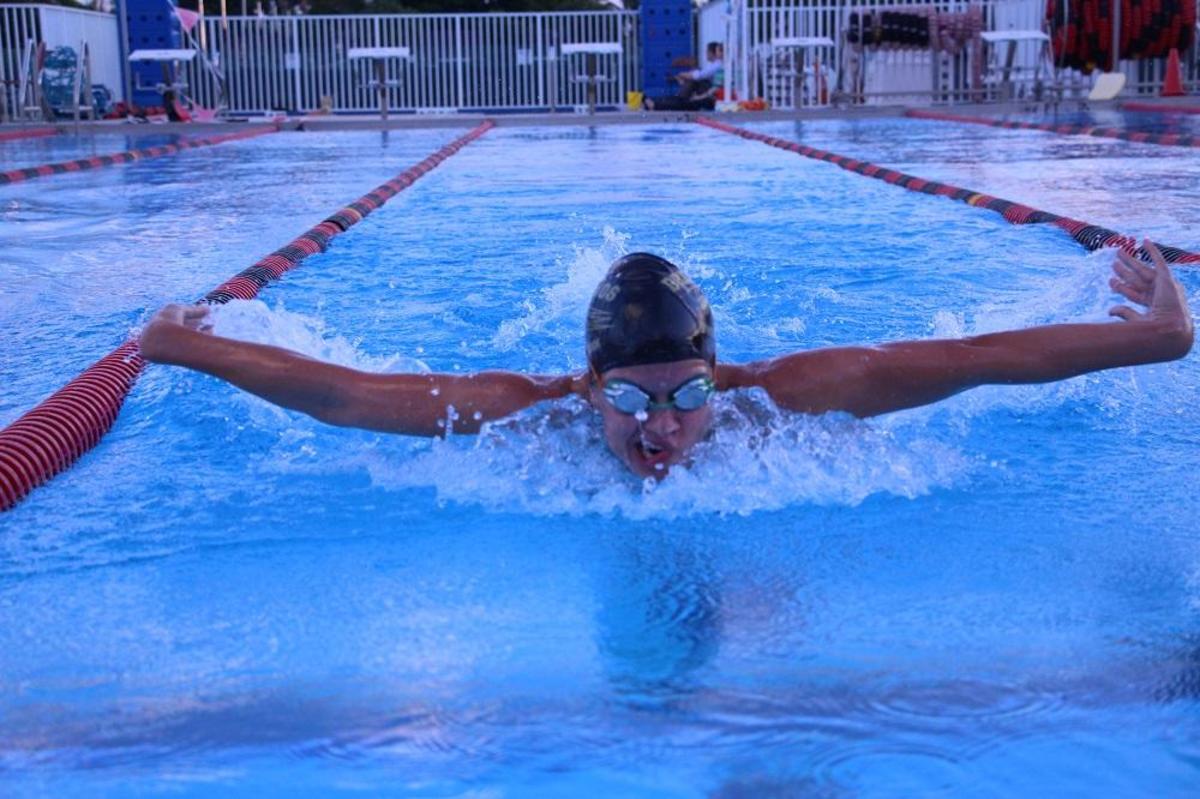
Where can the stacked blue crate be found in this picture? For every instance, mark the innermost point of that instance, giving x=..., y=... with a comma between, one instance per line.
x=152, y=26
x=666, y=36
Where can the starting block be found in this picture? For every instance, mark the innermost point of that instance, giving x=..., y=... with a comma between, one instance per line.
x=802, y=44
x=591, y=76
x=379, y=57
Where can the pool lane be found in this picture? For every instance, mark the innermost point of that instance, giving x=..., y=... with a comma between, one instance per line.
x=1063, y=128
x=128, y=156
x=51, y=437
x=1090, y=236
x=1137, y=189
x=86, y=259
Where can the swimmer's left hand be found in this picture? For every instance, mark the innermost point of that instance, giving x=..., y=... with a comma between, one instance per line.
x=1155, y=288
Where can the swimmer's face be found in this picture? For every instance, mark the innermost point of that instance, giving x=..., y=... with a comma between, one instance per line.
x=651, y=447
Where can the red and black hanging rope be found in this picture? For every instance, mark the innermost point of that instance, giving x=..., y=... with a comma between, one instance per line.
x=1093, y=237
x=1081, y=31
x=52, y=436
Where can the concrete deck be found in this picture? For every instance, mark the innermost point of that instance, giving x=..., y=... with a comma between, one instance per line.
x=401, y=121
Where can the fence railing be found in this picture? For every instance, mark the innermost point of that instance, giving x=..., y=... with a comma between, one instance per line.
x=910, y=76
x=512, y=62
x=56, y=26
x=462, y=62
x=885, y=75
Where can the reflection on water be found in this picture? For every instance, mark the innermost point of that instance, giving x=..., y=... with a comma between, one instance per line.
x=659, y=615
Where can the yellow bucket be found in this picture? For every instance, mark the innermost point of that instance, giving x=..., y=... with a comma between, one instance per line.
x=634, y=100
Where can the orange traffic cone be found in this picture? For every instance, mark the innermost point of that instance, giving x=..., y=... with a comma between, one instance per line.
x=1173, y=80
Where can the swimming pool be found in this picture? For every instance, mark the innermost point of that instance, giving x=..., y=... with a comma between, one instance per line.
x=996, y=596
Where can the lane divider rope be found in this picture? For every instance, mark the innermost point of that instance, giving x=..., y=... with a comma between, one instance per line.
x=96, y=161
x=1093, y=237
x=27, y=133
x=1160, y=108
x=1173, y=139
x=52, y=436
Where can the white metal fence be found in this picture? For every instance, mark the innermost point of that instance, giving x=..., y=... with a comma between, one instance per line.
x=910, y=76
x=511, y=62
x=457, y=61
x=882, y=75
x=57, y=26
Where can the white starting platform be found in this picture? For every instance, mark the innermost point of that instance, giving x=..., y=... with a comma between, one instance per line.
x=802, y=42
x=591, y=76
x=379, y=56
x=1012, y=38
x=355, y=53
x=169, y=83
x=800, y=45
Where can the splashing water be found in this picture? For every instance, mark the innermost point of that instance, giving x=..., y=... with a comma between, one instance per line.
x=562, y=307
x=553, y=460
x=757, y=458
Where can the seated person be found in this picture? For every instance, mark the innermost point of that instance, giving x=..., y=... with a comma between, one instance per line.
x=697, y=87
x=653, y=367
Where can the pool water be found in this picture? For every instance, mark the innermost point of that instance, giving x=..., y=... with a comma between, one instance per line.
x=995, y=596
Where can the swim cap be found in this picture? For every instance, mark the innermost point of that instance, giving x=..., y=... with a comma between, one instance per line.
x=647, y=311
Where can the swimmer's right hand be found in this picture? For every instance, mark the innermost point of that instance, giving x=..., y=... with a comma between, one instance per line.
x=162, y=335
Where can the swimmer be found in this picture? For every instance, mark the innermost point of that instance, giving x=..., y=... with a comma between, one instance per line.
x=652, y=365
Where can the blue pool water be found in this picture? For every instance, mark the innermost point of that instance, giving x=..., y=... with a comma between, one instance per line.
x=995, y=596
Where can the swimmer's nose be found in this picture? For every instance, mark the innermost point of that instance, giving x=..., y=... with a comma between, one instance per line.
x=663, y=422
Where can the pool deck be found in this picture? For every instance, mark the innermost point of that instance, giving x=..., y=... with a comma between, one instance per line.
x=404, y=121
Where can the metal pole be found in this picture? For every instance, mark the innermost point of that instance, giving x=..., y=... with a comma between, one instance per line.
x=76, y=85
x=297, y=92
x=126, y=69
x=381, y=78
x=1116, y=33
x=459, y=59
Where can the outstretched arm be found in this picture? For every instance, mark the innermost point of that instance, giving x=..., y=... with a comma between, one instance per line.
x=867, y=381
x=413, y=404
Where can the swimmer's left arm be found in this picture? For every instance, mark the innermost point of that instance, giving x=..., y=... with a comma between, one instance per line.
x=413, y=404
x=867, y=381
x=425, y=405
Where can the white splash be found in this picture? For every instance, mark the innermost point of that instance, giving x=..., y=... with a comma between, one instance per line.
x=252, y=320
x=562, y=306
x=553, y=461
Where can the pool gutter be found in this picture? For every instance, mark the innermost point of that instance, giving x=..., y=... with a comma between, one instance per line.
x=335, y=122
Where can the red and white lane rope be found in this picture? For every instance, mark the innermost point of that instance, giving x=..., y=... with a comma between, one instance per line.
x=1173, y=139
x=52, y=436
x=1093, y=237
x=27, y=133
x=1160, y=108
x=96, y=161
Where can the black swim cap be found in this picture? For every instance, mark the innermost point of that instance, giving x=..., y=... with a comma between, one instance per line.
x=647, y=311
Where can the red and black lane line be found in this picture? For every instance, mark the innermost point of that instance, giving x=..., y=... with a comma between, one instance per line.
x=97, y=161
x=1160, y=108
x=1092, y=237
x=1174, y=139
x=52, y=436
x=27, y=133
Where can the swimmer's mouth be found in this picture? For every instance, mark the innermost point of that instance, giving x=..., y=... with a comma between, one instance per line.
x=649, y=450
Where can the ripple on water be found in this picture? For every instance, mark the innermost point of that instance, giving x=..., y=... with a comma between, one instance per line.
x=418, y=733
x=893, y=769
x=958, y=701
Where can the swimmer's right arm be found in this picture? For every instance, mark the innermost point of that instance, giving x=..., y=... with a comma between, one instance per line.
x=867, y=381
x=412, y=404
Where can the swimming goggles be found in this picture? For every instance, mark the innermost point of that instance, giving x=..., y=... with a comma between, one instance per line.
x=630, y=398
